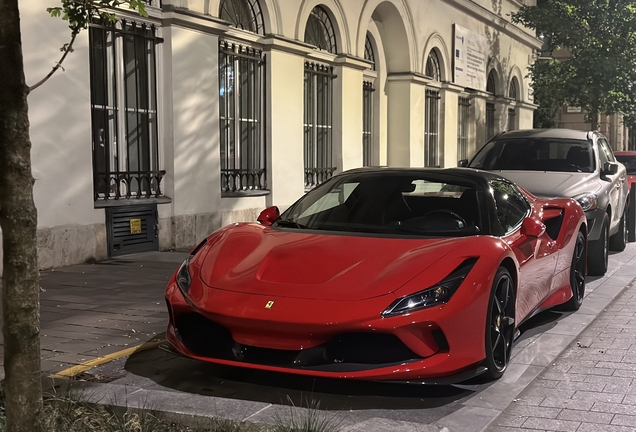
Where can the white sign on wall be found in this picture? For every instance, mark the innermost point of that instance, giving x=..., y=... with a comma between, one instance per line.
x=471, y=59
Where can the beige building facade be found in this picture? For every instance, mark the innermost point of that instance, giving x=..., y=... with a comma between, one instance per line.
x=162, y=129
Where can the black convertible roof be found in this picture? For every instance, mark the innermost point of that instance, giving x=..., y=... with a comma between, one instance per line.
x=479, y=178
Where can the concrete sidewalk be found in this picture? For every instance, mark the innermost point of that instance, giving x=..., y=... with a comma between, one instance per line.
x=97, y=312
x=89, y=311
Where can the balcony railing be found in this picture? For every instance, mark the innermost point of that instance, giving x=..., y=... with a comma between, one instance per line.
x=127, y=185
x=241, y=182
x=315, y=176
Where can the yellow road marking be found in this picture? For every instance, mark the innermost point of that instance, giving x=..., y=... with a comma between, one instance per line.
x=78, y=369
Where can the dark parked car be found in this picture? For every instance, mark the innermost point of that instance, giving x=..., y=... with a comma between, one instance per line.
x=628, y=158
x=567, y=163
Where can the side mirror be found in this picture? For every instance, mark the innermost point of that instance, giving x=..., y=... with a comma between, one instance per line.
x=268, y=216
x=462, y=163
x=609, y=168
x=532, y=227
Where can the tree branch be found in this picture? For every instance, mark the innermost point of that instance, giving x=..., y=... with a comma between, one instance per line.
x=68, y=48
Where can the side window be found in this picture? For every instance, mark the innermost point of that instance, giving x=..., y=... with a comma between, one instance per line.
x=605, y=151
x=510, y=203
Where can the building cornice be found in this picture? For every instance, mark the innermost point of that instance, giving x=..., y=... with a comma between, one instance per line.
x=192, y=20
x=493, y=20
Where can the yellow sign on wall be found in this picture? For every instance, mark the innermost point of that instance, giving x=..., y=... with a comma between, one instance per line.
x=135, y=226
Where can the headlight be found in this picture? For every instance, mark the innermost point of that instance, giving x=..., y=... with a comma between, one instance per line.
x=183, y=276
x=588, y=201
x=438, y=294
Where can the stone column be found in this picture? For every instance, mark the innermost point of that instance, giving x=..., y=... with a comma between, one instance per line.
x=477, y=133
x=347, y=113
x=284, y=129
x=448, y=124
x=405, y=112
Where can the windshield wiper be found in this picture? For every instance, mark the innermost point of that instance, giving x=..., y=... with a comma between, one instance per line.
x=287, y=223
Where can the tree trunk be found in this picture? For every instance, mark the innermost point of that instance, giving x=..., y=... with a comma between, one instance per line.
x=18, y=220
x=594, y=117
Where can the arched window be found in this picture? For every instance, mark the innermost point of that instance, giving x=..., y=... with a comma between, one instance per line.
x=512, y=111
x=243, y=14
x=432, y=114
x=491, y=84
x=512, y=90
x=491, y=87
x=320, y=32
x=432, y=66
x=368, y=52
x=367, y=107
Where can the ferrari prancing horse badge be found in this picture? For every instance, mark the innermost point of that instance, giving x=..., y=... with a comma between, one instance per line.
x=269, y=304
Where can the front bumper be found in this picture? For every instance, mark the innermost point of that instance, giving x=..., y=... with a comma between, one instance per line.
x=332, y=339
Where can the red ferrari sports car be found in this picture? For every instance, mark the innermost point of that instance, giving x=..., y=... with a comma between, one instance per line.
x=381, y=274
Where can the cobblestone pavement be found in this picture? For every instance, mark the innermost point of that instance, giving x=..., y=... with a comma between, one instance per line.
x=591, y=387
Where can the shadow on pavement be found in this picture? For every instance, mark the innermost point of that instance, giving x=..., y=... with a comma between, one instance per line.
x=185, y=375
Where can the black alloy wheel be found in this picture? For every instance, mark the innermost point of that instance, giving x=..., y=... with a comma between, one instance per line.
x=598, y=255
x=577, y=274
x=500, y=324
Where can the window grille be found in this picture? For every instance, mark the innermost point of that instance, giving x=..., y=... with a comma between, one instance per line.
x=124, y=111
x=431, y=132
x=367, y=123
x=463, y=116
x=241, y=96
x=243, y=14
x=320, y=32
x=318, y=117
x=490, y=120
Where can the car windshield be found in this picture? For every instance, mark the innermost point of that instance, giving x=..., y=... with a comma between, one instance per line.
x=629, y=162
x=536, y=154
x=387, y=203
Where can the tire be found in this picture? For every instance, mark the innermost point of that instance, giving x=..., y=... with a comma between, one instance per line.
x=618, y=241
x=500, y=325
x=598, y=251
x=577, y=274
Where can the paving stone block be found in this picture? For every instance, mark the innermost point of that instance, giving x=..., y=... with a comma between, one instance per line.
x=614, y=408
x=573, y=404
x=598, y=396
x=625, y=420
x=551, y=424
x=585, y=416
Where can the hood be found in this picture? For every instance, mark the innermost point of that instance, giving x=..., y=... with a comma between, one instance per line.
x=254, y=259
x=554, y=184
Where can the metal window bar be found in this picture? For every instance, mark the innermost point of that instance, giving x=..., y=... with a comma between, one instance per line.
x=490, y=120
x=431, y=132
x=367, y=123
x=123, y=92
x=512, y=119
x=241, y=90
x=463, y=115
x=318, y=120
